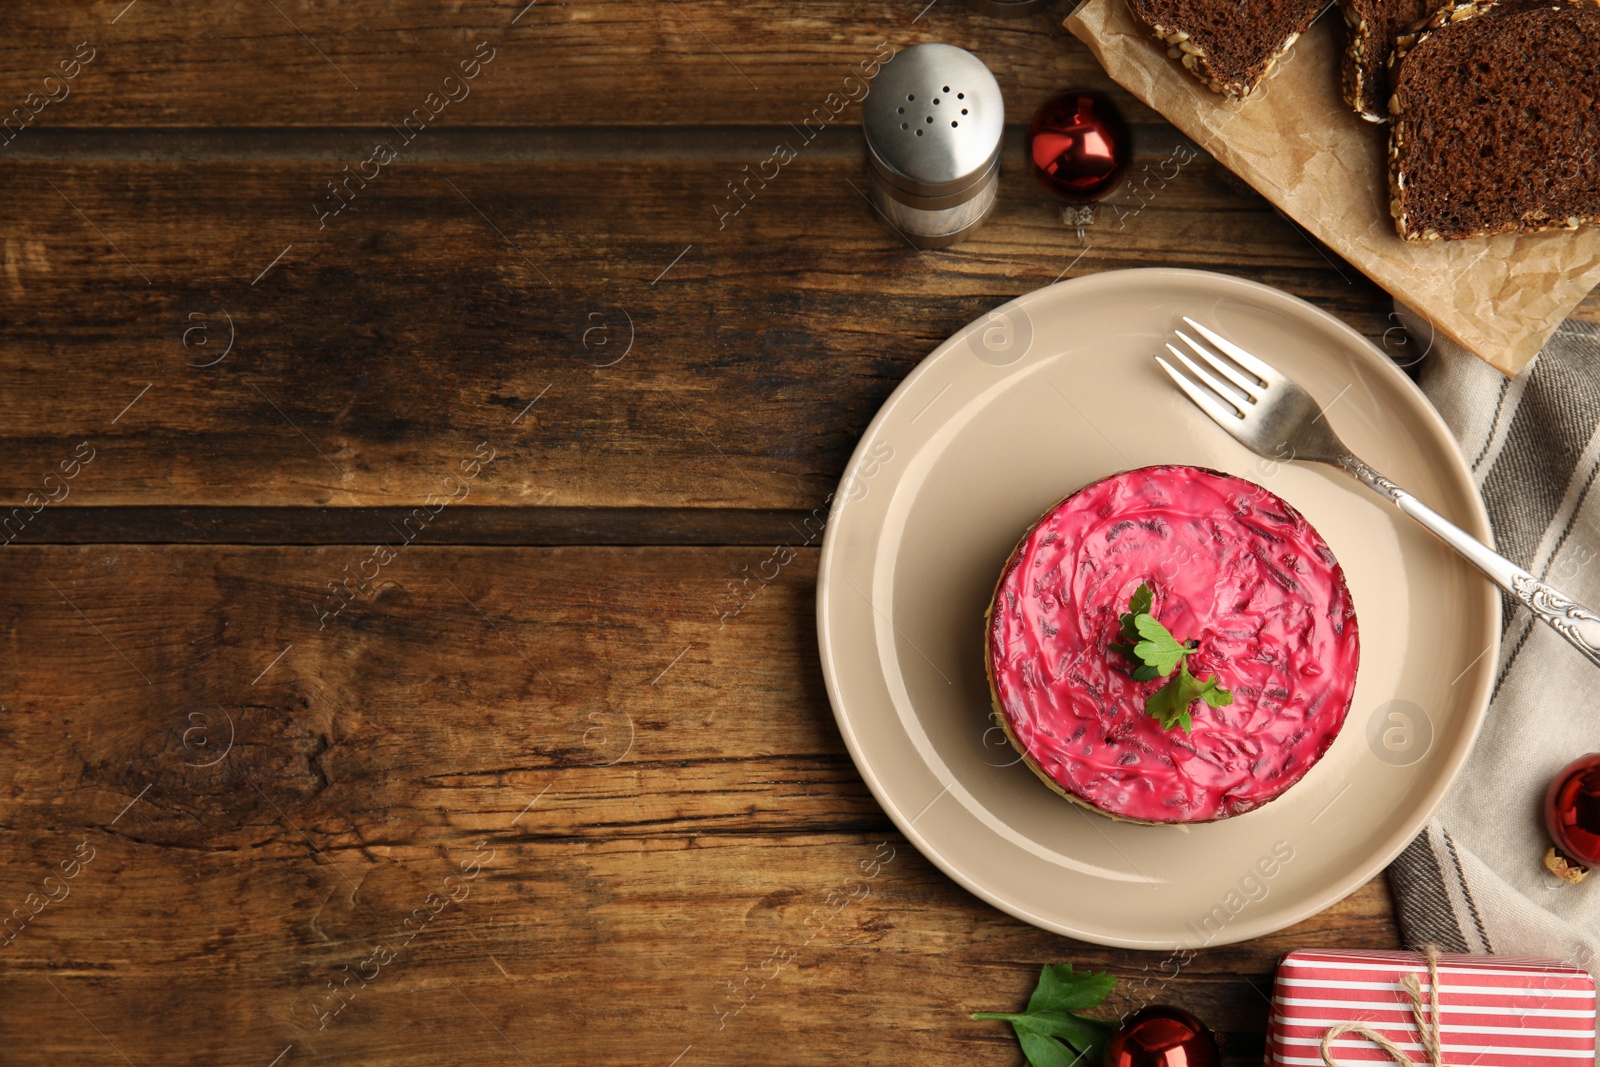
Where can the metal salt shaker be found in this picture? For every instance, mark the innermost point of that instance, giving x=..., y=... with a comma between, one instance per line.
x=933, y=123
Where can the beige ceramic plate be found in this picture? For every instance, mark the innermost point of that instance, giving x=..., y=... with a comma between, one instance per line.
x=1050, y=392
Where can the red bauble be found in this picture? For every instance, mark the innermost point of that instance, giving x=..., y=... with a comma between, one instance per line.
x=1572, y=815
x=1162, y=1036
x=1078, y=146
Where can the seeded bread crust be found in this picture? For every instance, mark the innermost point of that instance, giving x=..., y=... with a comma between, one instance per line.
x=1353, y=72
x=1195, y=61
x=1404, y=45
x=1397, y=130
x=1361, y=85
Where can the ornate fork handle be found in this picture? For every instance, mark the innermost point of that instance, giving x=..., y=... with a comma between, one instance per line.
x=1566, y=616
x=1578, y=624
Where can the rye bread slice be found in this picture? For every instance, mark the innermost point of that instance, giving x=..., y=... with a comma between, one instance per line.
x=1496, y=110
x=1231, y=45
x=1374, y=25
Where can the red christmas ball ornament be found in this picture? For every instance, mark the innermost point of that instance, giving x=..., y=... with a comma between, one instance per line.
x=1078, y=146
x=1572, y=816
x=1162, y=1036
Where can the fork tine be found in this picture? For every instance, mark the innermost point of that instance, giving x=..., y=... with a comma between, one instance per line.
x=1215, y=386
x=1250, y=363
x=1204, y=401
x=1246, y=389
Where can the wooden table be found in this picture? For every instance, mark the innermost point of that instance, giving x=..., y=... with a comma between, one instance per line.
x=372, y=526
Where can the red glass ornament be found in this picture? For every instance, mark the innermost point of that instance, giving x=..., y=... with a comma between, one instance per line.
x=1078, y=146
x=1162, y=1036
x=1572, y=815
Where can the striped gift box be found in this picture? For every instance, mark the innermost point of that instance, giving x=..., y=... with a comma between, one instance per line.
x=1494, y=1011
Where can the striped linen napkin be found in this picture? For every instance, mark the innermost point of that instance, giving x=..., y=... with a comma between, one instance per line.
x=1474, y=880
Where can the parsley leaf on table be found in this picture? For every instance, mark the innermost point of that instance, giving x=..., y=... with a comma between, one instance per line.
x=1051, y=1032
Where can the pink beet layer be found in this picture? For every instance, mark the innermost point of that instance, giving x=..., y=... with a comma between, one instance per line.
x=1231, y=565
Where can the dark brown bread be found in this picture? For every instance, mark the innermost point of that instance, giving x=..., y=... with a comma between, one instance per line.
x=1374, y=25
x=1231, y=45
x=1496, y=112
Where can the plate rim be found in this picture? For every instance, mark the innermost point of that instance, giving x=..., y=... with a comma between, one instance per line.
x=1477, y=703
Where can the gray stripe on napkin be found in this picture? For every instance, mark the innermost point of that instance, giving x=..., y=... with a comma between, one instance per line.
x=1526, y=623
x=1549, y=429
x=1582, y=338
x=1472, y=880
x=1494, y=424
x=1529, y=479
x=1417, y=881
x=1466, y=893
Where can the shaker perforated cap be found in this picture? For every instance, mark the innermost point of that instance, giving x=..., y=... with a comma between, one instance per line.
x=933, y=120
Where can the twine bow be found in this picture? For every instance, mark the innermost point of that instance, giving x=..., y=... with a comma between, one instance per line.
x=1427, y=1027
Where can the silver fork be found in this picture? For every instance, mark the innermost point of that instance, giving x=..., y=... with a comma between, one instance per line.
x=1274, y=417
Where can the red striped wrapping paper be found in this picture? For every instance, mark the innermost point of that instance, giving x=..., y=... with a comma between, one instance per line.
x=1494, y=1011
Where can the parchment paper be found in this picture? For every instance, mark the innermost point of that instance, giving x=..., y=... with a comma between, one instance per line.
x=1301, y=147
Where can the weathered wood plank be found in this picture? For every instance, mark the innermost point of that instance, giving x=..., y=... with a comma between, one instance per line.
x=614, y=913
x=684, y=63
x=567, y=954
x=460, y=525
x=450, y=305
x=706, y=711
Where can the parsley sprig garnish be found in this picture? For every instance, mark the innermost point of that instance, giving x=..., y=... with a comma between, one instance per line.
x=1051, y=1032
x=1155, y=653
